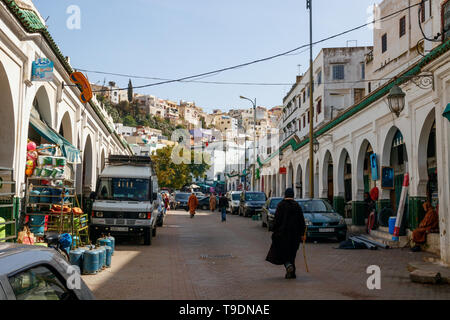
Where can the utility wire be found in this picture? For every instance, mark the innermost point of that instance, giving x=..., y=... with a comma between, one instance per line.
x=264, y=59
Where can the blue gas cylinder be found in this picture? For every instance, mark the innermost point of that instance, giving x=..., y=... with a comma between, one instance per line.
x=108, y=256
x=76, y=258
x=113, y=243
x=91, y=261
x=104, y=242
x=34, y=195
x=45, y=193
x=102, y=263
x=37, y=224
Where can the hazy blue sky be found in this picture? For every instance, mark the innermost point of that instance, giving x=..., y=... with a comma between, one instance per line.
x=176, y=38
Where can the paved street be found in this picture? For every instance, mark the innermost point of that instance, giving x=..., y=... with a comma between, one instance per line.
x=203, y=258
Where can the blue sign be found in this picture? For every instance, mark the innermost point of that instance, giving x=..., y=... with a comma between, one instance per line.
x=387, y=180
x=42, y=70
x=374, y=167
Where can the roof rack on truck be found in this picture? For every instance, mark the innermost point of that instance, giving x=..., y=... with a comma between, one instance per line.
x=123, y=160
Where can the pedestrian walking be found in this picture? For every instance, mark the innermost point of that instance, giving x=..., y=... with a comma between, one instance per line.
x=223, y=205
x=288, y=233
x=192, y=204
x=212, y=202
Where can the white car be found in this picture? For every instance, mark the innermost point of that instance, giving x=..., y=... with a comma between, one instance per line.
x=233, y=202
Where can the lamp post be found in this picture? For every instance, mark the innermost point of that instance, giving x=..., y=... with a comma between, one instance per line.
x=396, y=100
x=254, y=137
x=311, y=105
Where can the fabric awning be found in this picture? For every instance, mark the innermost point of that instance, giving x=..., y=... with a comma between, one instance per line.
x=69, y=151
x=447, y=112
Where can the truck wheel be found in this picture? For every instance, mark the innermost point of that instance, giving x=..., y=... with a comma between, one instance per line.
x=154, y=232
x=147, y=237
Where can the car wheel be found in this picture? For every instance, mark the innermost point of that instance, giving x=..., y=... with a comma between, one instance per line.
x=148, y=237
x=154, y=232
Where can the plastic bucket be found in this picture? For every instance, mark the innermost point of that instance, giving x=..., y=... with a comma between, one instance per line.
x=392, y=221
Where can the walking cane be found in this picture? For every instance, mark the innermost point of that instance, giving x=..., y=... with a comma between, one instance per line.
x=304, y=250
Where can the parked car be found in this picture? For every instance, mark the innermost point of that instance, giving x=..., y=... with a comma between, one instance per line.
x=233, y=201
x=181, y=200
x=37, y=273
x=161, y=212
x=322, y=220
x=251, y=203
x=203, y=203
x=268, y=212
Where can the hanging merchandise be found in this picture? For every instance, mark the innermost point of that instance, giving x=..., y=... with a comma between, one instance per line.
x=401, y=208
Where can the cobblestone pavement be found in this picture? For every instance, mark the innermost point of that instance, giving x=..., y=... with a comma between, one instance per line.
x=202, y=258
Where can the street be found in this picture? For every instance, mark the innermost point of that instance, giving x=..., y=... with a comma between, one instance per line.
x=202, y=258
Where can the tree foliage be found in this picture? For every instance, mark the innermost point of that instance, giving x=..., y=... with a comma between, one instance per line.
x=175, y=176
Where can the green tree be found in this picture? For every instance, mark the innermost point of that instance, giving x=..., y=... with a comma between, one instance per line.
x=129, y=121
x=130, y=91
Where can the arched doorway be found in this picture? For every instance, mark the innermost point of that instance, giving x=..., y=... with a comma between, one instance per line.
x=65, y=128
x=299, y=182
x=290, y=183
x=306, y=185
x=274, y=185
x=327, y=177
x=316, y=180
x=344, y=181
x=87, y=166
x=364, y=169
x=102, y=161
x=7, y=122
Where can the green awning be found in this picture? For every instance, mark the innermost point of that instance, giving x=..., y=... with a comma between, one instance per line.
x=69, y=151
x=447, y=112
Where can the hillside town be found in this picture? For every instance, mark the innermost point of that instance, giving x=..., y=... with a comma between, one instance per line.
x=218, y=201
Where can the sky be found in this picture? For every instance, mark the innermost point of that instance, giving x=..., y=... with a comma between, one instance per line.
x=172, y=39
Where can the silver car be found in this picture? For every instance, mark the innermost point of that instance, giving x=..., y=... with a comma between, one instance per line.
x=38, y=273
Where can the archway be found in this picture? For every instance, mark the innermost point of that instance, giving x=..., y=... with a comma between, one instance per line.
x=7, y=122
x=290, y=182
x=283, y=184
x=102, y=161
x=316, y=180
x=274, y=185
x=364, y=181
x=87, y=166
x=327, y=177
x=344, y=181
x=65, y=128
x=299, y=182
x=306, y=183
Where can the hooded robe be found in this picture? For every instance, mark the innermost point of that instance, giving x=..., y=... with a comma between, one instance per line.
x=192, y=203
x=430, y=222
x=288, y=230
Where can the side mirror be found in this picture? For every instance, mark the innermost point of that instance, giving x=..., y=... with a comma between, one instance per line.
x=93, y=196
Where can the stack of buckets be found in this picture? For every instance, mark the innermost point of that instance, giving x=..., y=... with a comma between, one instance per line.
x=93, y=259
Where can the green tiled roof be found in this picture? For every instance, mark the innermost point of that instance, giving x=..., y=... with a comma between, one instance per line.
x=32, y=24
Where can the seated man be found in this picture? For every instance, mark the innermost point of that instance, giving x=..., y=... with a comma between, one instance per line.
x=429, y=223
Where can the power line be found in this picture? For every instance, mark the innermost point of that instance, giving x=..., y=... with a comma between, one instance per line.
x=184, y=79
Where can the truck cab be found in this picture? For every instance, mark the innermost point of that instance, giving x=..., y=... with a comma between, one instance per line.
x=126, y=200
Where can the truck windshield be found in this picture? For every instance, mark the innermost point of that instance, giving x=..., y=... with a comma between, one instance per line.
x=236, y=196
x=256, y=196
x=182, y=196
x=123, y=189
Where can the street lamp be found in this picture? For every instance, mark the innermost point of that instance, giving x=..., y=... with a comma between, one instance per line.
x=396, y=100
x=316, y=145
x=254, y=136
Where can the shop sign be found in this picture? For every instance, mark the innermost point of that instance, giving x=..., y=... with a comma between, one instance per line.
x=387, y=178
x=283, y=170
x=42, y=70
x=374, y=166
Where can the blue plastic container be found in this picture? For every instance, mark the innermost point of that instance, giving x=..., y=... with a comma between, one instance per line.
x=91, y=261
x=46, y=192
x=56, y=193
x=34, y=195
x=76, y=258
x=108, y=256
x=392, y=221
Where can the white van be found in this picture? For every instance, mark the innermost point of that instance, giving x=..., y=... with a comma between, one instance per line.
x=126, y=201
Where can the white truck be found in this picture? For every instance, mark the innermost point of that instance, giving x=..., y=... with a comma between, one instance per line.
x=126, y=200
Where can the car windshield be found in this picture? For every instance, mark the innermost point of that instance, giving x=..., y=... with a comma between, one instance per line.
x=257, y=196
x=315, y=206
x=236, y=196
x=274, y=203
x=122, y=189
x=182, y=196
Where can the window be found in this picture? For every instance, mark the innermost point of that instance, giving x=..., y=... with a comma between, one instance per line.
x=319, y=107
x=304, y=121
x=338, y=72
x=319, y=78
x=370, y=87
x=304, y=97
x=363, y=70
x=308, y=116
x=308, y=91
x=384, y=43
x=402, y=26
x=39, y=283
